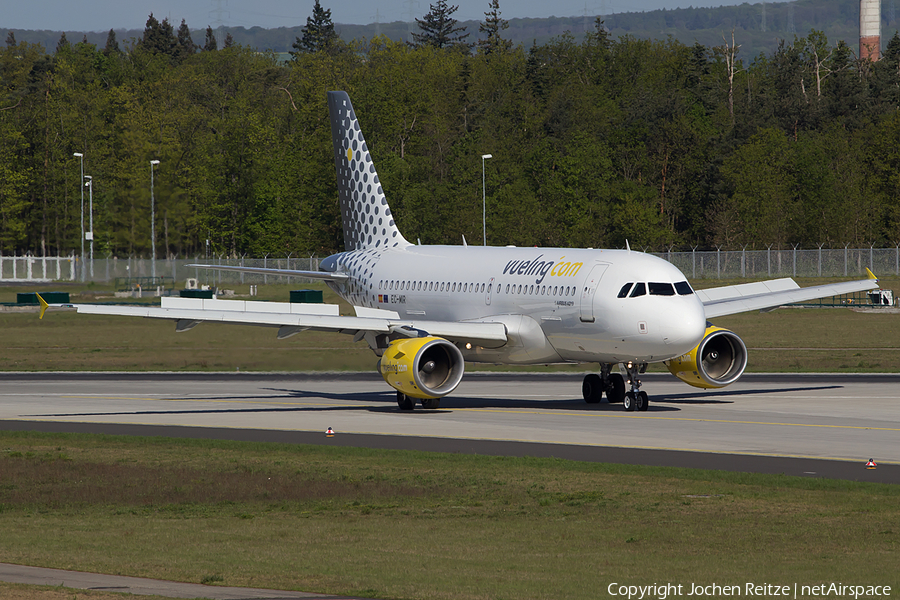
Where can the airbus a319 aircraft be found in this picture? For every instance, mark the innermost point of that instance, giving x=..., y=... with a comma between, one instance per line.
x=426, y=310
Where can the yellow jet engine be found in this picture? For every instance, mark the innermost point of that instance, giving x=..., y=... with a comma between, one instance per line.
x=718, y=360
x=425, y=367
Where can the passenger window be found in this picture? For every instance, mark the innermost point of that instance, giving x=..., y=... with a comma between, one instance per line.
x=683, y=288
x=661, y=289
x=639, y=290
x=623, y=293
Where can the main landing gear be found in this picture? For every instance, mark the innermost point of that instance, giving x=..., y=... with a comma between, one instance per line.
x=409, y=403
x=613, y=384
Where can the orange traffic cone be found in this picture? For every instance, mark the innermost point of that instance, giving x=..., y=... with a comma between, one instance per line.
x=329, y=433
x=871, y=464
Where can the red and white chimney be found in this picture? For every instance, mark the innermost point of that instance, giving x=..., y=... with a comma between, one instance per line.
x=870, y=29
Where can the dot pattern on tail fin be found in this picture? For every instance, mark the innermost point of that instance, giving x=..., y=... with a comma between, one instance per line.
x=360, y=264
x=365, y=214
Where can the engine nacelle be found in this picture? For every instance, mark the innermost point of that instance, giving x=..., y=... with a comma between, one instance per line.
x=426, y=367
x=718, y=360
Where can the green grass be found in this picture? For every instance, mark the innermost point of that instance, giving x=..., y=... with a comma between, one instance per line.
x=396, y=524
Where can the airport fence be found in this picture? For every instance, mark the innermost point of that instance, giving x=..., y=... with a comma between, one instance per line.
x=114, y=269
x=793, y=262
x=697, y=264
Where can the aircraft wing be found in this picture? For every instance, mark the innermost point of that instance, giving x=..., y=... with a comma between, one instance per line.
x=771, y=294
x=292, y=318
x=283, y=272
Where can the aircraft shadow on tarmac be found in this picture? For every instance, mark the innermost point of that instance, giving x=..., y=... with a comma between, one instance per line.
x=386, y=402
x=703, y=396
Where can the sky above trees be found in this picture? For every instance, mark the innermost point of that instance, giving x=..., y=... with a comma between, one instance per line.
x=102, y=15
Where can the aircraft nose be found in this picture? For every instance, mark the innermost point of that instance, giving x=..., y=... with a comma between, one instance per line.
x=685, y=327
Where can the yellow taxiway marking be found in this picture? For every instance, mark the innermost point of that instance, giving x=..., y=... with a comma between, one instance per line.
x=687, y=419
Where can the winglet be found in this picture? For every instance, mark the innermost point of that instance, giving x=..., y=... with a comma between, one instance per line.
x=871, y=274
x=44, y=305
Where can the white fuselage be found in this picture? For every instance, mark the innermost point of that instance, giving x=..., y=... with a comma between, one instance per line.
x=558, y=304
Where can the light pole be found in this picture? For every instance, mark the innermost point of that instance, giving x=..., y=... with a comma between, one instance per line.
x=153, y=163
x=90, y=233
x=484, y=201
x=81, y=157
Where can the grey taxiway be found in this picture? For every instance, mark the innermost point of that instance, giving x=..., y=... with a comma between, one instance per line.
x=807, y=425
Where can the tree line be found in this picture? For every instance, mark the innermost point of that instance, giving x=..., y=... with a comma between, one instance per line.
x=759, y=27
x=594, y=142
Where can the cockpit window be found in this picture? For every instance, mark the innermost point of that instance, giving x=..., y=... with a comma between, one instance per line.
x=661, y=289
x=623, y=293
x=639, y=290
x=683, y=288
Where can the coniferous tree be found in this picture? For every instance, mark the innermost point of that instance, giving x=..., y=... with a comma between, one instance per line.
x=159, y=38
x=11, y=40
x=185, y=46
x=229, y=40
x=439, y=28
x=492, y=26
x=319, y=34
x=112, y=44
x=210, y=44
x=886, y=76
x=62, y=44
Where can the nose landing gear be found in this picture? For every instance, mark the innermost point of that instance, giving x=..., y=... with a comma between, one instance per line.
x=636, y=399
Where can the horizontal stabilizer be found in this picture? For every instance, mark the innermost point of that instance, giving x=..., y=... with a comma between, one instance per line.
x=281, y=272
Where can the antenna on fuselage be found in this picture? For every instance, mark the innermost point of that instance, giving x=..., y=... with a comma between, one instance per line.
x=465, y=245
x=627, y=246
x=419, y=241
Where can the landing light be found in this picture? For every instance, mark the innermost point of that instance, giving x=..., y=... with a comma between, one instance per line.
x=468, y=346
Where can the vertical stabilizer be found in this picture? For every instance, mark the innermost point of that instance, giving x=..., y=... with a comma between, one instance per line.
x=365, y=214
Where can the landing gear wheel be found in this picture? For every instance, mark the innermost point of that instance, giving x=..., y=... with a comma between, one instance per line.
x=431, y=403
x=629, y=401
x=592, y=388
x=405, y=402
x=616, y=391
x=643, y=401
